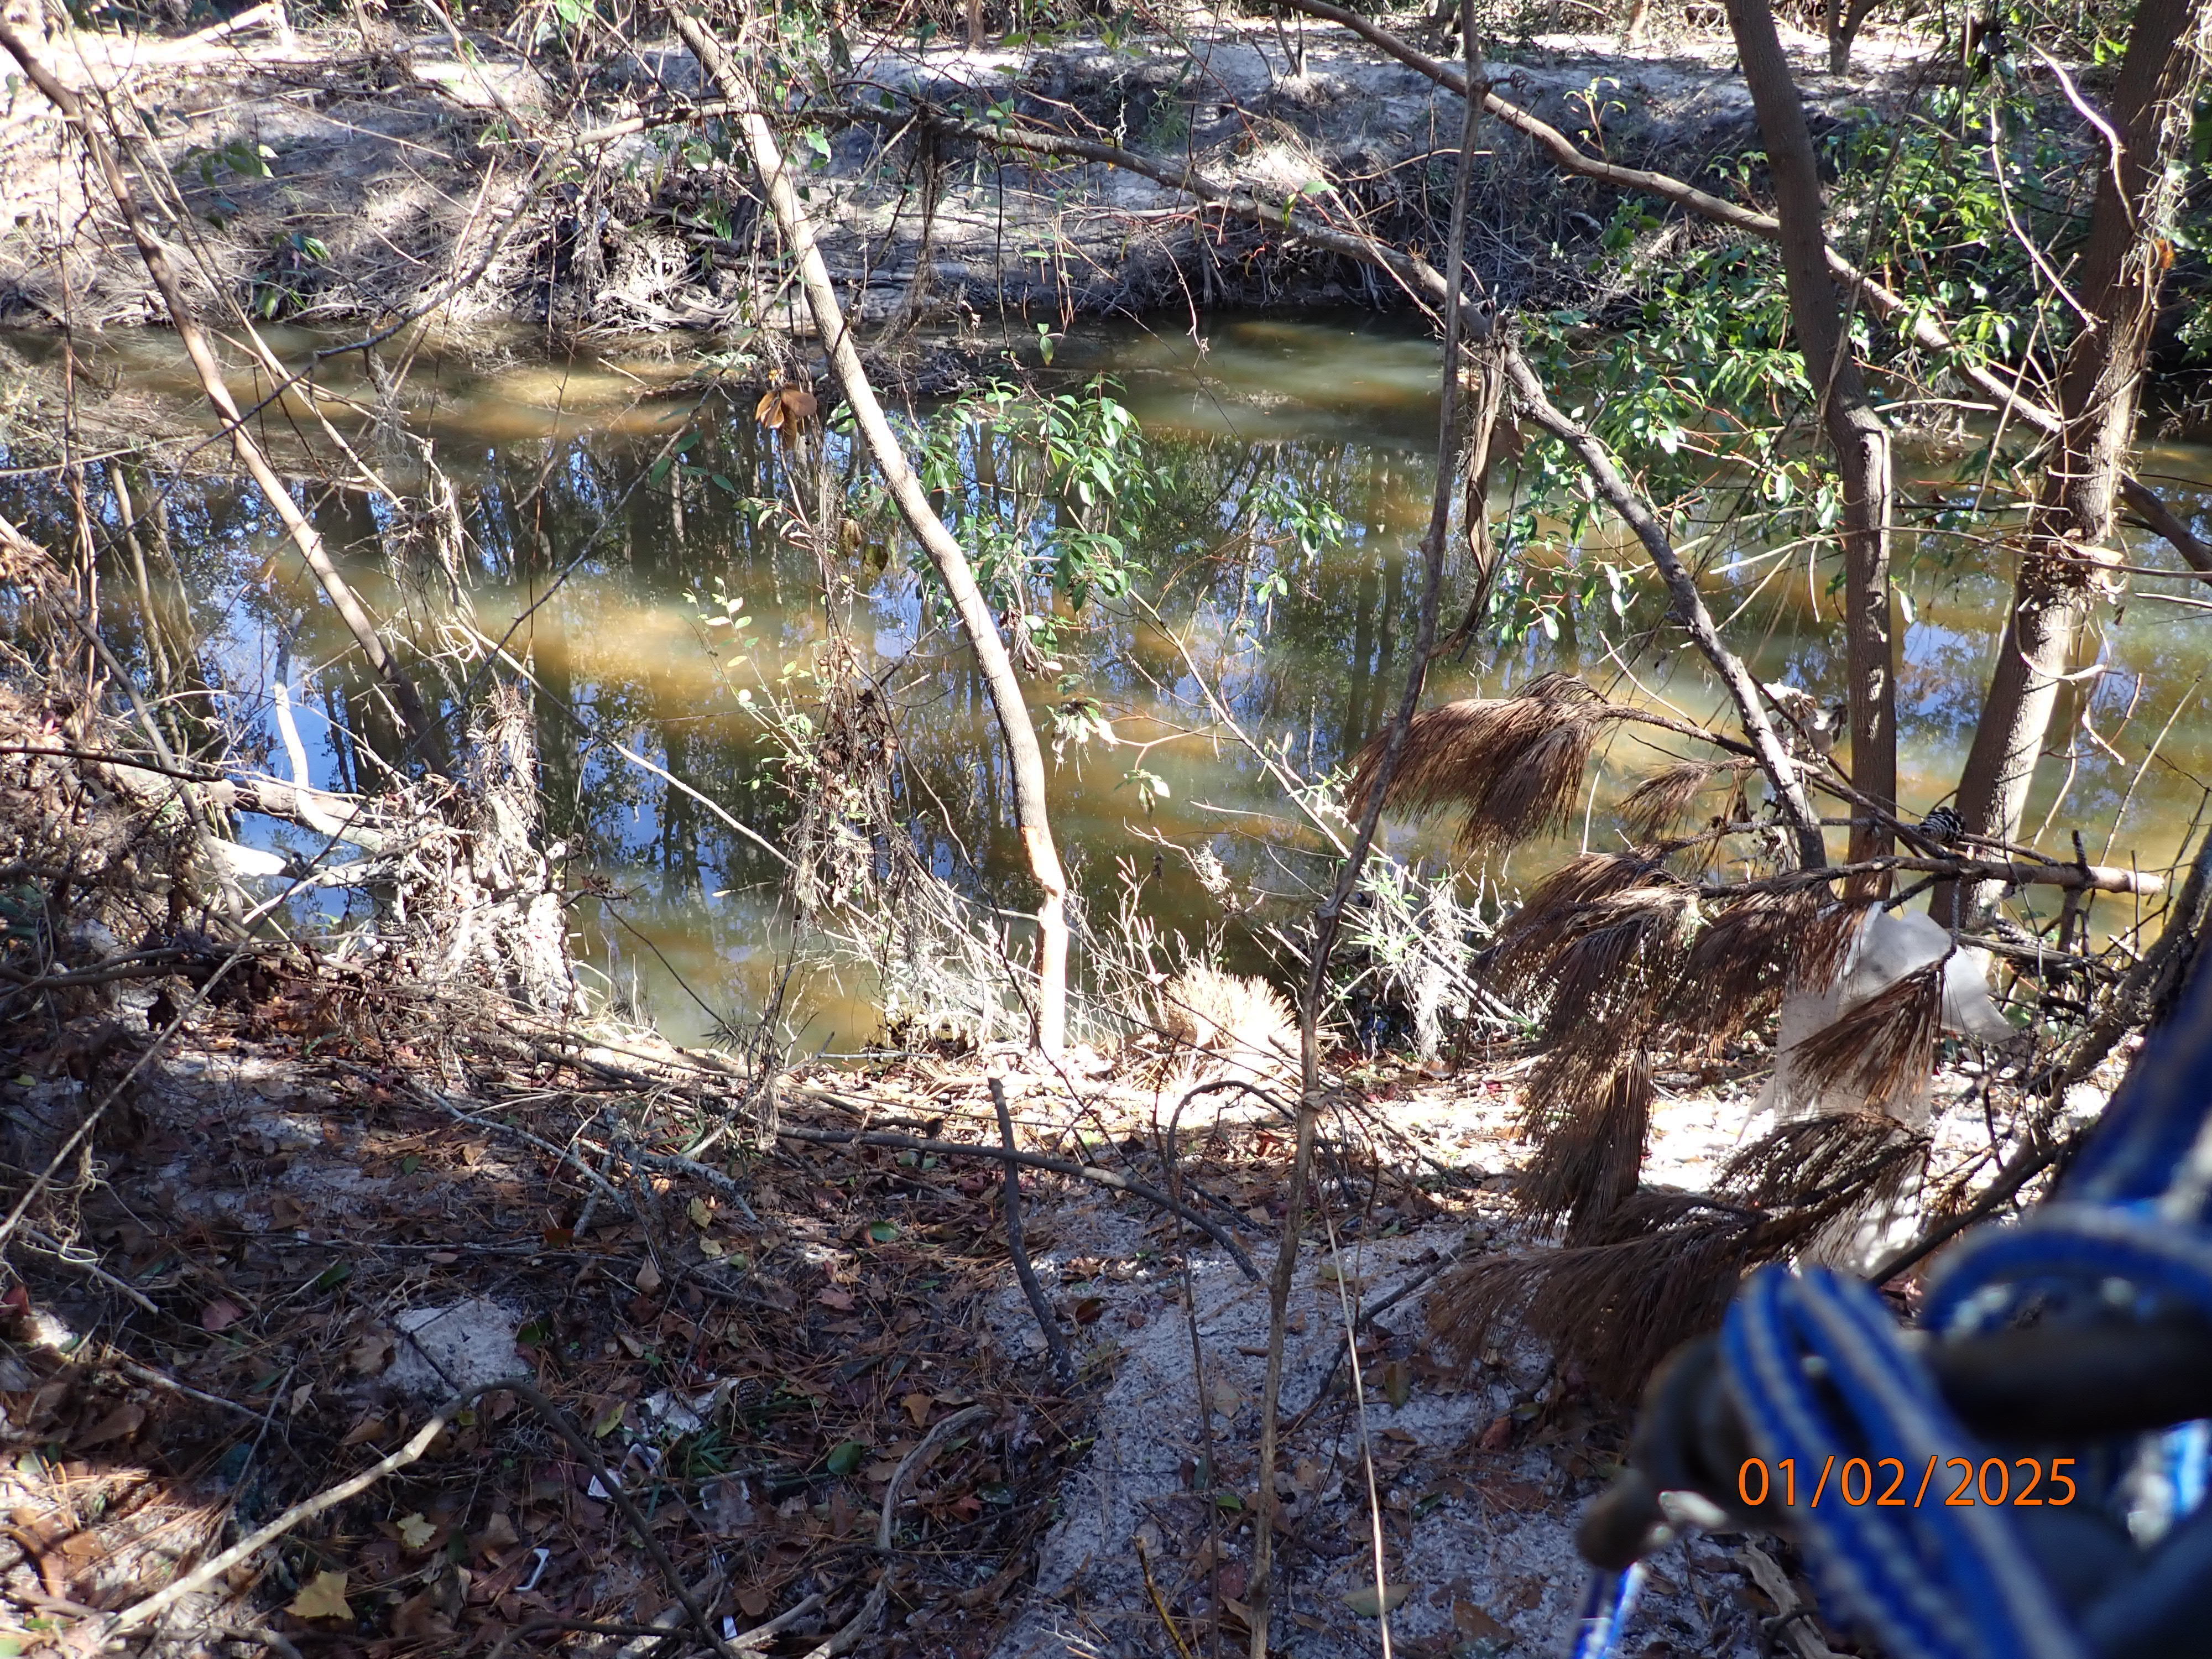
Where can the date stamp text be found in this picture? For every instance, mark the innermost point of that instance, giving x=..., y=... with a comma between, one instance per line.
x=1886, y=1483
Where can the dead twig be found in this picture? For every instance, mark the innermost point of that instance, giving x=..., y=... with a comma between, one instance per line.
x=675, y=1163
x=842, y=1640
x=54, y=1250
x=1055, y=1343
x=255, y=1542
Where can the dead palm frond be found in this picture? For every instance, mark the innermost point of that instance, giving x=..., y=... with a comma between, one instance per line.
x=1590, y=1124
x=1513, y=765
x=1528, y=939
x=1658, y=808
x=1824, y=1164
x=1882, y=1051
x=1617, y=957
x=1660, y=1267
x=1614, y=1309
x=1756, y=950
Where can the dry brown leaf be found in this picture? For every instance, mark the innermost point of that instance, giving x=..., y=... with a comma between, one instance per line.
x=1476, y=1626
x=1368, y=1604
x=120, y=1424
x=220, y=1315
x=369, y=1428
x=371, y=1354
x=917, y=1406
x=324, y=1597
x=648, y=1279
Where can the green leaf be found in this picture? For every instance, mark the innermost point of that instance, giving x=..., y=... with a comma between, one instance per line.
x=1368, y=1605
x=846, y=1457
x=883, y=1231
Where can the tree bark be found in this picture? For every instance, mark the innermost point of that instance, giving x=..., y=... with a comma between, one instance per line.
x=1856, y=433
x=1845, y=19
x=1023, y=754
x=2065, y=557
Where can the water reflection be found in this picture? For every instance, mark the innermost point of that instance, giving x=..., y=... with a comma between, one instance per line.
x=599, y=500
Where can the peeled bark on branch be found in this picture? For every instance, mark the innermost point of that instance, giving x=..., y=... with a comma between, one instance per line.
x=1856, y=433
x=1023, y=754
x=2065, y=554
x=155, y=256
x=1774, y=760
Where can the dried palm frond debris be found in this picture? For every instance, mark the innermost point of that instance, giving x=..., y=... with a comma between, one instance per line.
x=1590, y=1119
x=1512, y=765
x=1659, y=1267
x=1882, y=1050
x=1756, y=949
x=1659, y=806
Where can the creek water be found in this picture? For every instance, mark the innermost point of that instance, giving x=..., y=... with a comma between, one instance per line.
x=598, y=570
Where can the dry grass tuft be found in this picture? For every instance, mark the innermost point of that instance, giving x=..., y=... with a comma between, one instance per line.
x=1229, y=1024
x=1513, y=765
x=1658, y=808
x=1882, y=1052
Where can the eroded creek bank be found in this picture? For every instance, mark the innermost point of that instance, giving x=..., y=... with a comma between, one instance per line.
x=327, y=175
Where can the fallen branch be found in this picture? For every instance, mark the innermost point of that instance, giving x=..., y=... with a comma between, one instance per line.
x=255, y=1542
x=843, y=1639
x=55, y=1250
x=1048, y=1322
x=673, y=1164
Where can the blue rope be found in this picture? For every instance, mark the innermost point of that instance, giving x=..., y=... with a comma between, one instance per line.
x=1608, y=1603
x=1820, y=1374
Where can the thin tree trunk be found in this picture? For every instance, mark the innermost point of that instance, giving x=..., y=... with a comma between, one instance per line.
x=1328, y=919
x=2066, y=555
x=1024, y=756
x=1845, y=19
x=1855, y=432
x=350, y=609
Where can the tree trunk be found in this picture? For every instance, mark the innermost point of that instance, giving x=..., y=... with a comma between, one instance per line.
x=1856, y=433
x=1845, y=19
x=2065, y=560
x=1024, y=756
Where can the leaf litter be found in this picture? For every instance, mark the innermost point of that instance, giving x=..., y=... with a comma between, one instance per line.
x=339, y=1228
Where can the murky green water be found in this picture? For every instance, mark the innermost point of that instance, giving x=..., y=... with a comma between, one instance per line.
x=590, y=568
